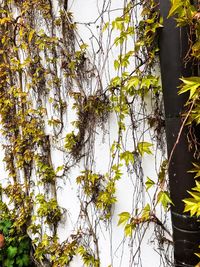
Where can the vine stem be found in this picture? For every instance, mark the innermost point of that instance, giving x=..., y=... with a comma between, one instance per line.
x=92, y=231
x=179, y=133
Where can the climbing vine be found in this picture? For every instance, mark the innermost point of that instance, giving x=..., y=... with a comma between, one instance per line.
x=57, y=96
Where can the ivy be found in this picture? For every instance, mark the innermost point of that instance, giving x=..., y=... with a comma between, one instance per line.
x=164, y=199
x=149, y=183
x=144, y=147
x=17, y=247
x=192, y=85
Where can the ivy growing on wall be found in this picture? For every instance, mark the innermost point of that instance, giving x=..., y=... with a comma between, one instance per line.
x=48, y=71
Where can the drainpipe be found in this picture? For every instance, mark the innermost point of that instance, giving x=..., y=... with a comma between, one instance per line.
x=174, y=45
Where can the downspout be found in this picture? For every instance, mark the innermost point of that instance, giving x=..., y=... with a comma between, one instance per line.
x=174, y=44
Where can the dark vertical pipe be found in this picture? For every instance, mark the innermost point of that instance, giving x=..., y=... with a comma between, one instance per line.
x=174, y=45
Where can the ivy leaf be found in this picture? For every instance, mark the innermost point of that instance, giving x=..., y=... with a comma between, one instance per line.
x=8, y=263
x=196, y=50
x=197, y=187
x=59, y=168
x=128, y=230
x=198, y=255
x=23, y=260
x=196, y=170
x=105, y=26
x=24, y=245
x=81, y=250
x=118, y=23
x=123, y=218
x=146, y=212
x=11, y=251
x=149, y=81
x=149, y=183
x=195, y=195
x=176, y=4
x=190, y=84
x=116, y=64
x=83, y=47
x=144, y=147
x=4, y=20
x=5, y=226
x=191, y=205
x=30, y=37
x=128, y=157
x=133, y=82
x=164, y=199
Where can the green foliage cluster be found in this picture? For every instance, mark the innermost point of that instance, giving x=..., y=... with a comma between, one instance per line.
x=16, y=251
x=100, y=190
x=23, y=82
x=61, y=253
x=91, y=111
x=48, y=209
x=29, y=77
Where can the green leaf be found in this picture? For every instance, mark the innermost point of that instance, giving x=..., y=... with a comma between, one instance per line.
x=195, y=195
x=128, y=230
x=190, y=84
x=11, y=251
x=196, y=170
x=149, y=81
x=118, y=23
x=30, y=37
x=196, y=50
x=191, y=205
x=8, y=263
x=83, y=47
x=123, y=218
x=23, y=260
x=133, y=82
x=146, y=212
x=144, y=147
x=116, y=64
x=5, y=226
x=105, y=26
x=128, y=157
x=164, y=199
x=81, y=250
x=24, y=245
x=176, y=4
x=197, y=187
x=149, y=183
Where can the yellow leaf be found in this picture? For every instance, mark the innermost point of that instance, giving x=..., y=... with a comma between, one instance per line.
x=30, y=37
